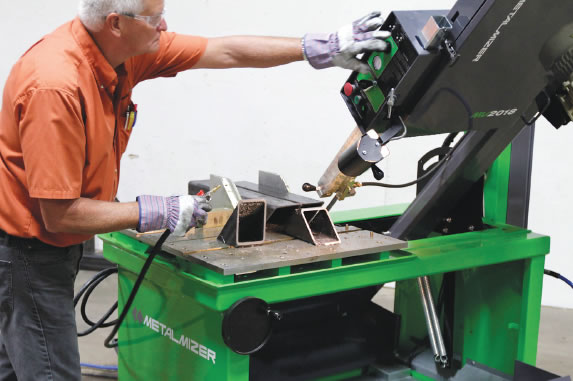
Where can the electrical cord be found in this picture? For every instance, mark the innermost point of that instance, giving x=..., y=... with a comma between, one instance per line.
x=423, y=108
x=414, y=182
x=110, y=341
x=450, y=139
x=539, y=113
x=558, y=276
x=87, y=289
x=84, y=295
x=99, y=367
x=404, y=132
x=447, y=142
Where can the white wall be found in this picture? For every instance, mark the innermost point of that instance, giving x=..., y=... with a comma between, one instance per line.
x=290, y=120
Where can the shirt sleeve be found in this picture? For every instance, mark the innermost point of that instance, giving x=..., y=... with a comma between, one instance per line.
x=53, y=141
x=177, y=52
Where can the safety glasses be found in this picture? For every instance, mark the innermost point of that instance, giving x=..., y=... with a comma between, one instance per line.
x=153, y=20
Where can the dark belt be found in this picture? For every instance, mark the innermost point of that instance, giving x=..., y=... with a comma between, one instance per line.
x=24, y=243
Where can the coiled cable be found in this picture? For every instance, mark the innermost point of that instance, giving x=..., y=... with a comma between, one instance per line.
x=87, y=289
x=84, y=295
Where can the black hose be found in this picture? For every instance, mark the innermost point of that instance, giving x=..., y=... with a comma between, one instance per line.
x=89, y=286
x=447, y=142
x=84, y=295
x=414, y=182
x=110, y=341
x=449, y=139
x=558, y=276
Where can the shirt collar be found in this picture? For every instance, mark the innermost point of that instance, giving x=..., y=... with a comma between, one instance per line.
x=105, y=75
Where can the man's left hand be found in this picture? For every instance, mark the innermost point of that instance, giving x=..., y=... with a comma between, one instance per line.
x=341, y=48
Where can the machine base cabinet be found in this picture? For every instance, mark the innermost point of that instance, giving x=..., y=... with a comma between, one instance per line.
x=486, y=287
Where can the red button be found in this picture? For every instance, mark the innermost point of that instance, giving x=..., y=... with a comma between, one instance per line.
x=348, y=89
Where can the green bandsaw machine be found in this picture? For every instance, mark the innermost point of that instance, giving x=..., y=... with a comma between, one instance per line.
x=282, y=290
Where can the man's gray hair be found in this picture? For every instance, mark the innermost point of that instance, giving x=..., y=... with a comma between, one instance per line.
x=92, y=13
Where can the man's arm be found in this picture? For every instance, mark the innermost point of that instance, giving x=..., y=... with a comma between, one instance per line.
x=322, y=50
x=85, y=216
x=250, y=51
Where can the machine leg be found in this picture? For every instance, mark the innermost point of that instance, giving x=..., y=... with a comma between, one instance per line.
x=530, y=310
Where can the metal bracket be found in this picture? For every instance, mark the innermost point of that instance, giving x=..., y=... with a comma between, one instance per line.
x=227, y=197
x=434, y=32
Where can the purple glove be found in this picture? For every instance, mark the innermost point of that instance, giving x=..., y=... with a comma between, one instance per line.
x=176, y=213
x=341, y=48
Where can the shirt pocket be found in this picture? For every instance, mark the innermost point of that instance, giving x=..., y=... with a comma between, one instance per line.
x=126, y=124
x=6, y=296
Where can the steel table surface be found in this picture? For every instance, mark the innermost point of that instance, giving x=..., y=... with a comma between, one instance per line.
x=278, y=250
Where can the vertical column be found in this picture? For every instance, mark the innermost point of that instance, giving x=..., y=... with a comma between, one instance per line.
x=530, y=310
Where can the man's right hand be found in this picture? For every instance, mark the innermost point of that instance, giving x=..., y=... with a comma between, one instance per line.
x=176, y=213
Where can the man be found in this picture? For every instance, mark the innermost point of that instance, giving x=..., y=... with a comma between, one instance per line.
x=65, y=121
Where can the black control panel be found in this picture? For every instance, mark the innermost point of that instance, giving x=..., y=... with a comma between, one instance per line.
x=375, y=99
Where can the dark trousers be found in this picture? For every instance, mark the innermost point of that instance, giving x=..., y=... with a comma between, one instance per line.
x=38, y=335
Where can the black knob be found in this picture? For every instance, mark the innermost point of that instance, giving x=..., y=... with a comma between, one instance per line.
x=308, y=187
x=377, y=172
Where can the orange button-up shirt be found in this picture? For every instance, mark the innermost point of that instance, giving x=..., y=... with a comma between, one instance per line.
x=62, y=123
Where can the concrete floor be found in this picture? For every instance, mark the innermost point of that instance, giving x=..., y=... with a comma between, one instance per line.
x=555, y=350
